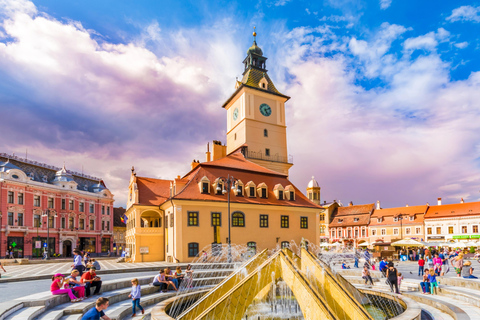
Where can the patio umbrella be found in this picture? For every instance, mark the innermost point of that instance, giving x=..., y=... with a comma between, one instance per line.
x=459, y=245
x=325, y=244
x=407, y=243
x=472, y=244
x=364, y=244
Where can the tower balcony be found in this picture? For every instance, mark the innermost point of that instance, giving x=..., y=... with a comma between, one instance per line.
x=261, y=156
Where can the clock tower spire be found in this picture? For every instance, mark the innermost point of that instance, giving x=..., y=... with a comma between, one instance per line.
x=256, y=115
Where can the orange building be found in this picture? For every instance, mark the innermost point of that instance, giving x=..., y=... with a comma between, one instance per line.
x=349, y=225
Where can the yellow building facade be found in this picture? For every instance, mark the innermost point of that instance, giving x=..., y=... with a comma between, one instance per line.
x=174, y=220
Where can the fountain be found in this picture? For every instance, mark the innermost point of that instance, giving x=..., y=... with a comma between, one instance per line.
x=280, y=284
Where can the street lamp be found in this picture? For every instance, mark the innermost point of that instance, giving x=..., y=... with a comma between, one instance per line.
x=400, y=217
x=47, y=213
x=228, y=183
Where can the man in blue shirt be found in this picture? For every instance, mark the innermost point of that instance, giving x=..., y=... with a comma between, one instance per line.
x=383, y=265
x=97, y=312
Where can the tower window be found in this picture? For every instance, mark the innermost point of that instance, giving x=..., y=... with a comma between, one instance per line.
x=267, y=152
x=265, y=132
x=235, y=136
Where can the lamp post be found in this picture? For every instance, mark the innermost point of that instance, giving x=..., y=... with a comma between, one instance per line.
x=228, y=183
x=47, y=214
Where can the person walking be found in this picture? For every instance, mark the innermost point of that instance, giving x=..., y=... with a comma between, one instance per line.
x=367, y=256
x=356, y=259
x=90, y=279
x=135, y=294
x=57, y=287
x=437, y=264
x=97, y=312
x=366, y=275
x=421, y=266
x=77, y=262
x=392, y=277
x=11, y=255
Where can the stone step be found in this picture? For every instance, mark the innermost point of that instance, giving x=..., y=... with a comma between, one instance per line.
x=434, y=313
x=9, y=307
x=72, y=317
x=26, y=313
x=470, y=296
x=380, y=283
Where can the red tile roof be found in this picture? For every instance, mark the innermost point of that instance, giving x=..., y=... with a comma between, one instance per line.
x=152, y=191
x=389, y=213
x=453, y=210
x=346, y=216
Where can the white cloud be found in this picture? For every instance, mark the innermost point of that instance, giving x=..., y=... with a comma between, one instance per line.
x=461, y=45
x=280, y=3
x=465, y=13
x=384, y=4
x=426, y=42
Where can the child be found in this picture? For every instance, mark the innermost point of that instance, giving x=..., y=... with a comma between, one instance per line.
x=73, y=283
x=179, y=276
x=56, y=287
x=400, y=278
x=366, y=275
x=189, y=277
x=135, y=295
x=432, y=278
x=421, y=265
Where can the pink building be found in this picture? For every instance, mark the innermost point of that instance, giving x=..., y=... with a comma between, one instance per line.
x=76, y=210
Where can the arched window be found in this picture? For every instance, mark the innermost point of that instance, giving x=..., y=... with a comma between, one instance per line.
x=285, y=244
x=238, y=219
x=265, y=131
x=193, y=249
x=252, y=247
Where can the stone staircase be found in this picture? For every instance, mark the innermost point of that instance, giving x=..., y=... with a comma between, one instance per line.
x=456, y=298
x=45, y=306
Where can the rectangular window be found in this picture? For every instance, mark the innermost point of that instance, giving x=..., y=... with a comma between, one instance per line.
x=264, y=192
x=417, y=230
x=108, y=211
x=363, y=232
x=63, y=223
x=304, y=223
x=284, y=222
x=280, y=195
x=216, y=219
x=193, y=249
x=172, y=221
x=349, y=233
x=193, y=219
x=92, y=224
x=71, y=223
x=267, y=152
x=81, y=207
x=50, y=203
x=166, y=222
x=51, y=222
x=81, y=224
x=395, y=231
x=205, y=188
x=36, y=221
x=374, y=232
x=263, y=221
x=292, y=195
x=475, y=229
x=20, y=219
x=439, y=230
x=429, y=230
x=70, y=205
x=464, y=229
x=92, y=208
x=356, y=233
x=252, y=191
x=36, y=201
x=407, y=230
x=11, y=196
x=20, y=198
x=322, y=217
x=10, y=218
x=333, y=234
x=103, y=209
x=239, y=190
x=383, y=231
x=103, y=225
x=64, y=204
x=108, y=225
x=450, y=230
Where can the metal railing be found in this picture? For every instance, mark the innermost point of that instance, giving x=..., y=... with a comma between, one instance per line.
x=262, y=156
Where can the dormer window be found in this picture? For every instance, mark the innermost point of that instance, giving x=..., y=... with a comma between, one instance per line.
x=395, y=219
x=218, y=186
x=340, y=220
x=262, y=190
x=379, y=219
x=412, y=218
x=290, y=193
x=250, y=189
x=204, y=185
x=355, y=219
x=239, y=188
x=278, y=191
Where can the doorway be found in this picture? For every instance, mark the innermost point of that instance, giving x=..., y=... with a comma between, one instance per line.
x=67, y=248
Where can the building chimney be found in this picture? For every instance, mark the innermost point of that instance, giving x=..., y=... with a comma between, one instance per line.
x=195, y=163
x=439, y=201
x=461, y=200
x=208, y=153
x=378, y=205
x=350, y=203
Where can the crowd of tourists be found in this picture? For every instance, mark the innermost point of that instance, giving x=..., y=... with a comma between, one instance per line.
x=81, y=281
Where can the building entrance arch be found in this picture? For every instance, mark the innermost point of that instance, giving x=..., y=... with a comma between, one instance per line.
x=67, y=248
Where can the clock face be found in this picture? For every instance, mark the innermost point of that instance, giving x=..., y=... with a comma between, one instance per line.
x=235, y=114
x=265, y=109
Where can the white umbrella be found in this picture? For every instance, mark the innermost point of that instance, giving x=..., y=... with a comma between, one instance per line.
x=407, y=243
x=325, y=244
x=471, y=244
x=364, y=244
x=459, y=245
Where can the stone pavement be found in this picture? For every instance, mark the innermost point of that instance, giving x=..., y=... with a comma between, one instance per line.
x=46, y=270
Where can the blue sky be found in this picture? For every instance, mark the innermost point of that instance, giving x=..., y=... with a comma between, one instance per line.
x=385, y=94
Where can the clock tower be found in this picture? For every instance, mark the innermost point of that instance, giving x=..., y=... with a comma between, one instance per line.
x=256, y=116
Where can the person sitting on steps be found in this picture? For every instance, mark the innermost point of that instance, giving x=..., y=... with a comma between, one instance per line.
x=162, y=282
x=90, y=279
